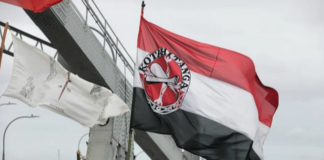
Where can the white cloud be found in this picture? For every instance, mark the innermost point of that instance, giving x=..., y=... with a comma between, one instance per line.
x=295, y=131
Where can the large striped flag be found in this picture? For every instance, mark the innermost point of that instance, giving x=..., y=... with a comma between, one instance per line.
x=208, y=98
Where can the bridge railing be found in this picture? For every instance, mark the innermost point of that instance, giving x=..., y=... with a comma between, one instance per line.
x=39, y=43
x=111, y=43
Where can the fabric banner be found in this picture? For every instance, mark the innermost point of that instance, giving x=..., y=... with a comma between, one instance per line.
x=39, y=80
x=208, y=98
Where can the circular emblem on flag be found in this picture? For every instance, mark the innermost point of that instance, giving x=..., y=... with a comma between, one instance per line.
x=166, y=79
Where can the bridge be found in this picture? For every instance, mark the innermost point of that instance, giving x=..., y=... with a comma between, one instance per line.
x=96, y=54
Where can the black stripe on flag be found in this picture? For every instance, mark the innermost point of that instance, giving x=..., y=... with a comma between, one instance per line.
x=194, y=133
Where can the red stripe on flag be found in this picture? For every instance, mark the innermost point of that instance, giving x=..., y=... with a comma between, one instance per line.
x=219, y=63
x=33, y=5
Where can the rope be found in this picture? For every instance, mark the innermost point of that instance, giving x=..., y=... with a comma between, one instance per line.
x=66, y=83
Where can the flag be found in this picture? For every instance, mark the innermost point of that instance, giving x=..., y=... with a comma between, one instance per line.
x=33, y=5
x=208, y=98
x=39, y=80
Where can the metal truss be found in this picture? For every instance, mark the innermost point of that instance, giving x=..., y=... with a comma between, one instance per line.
x=39, y=43
x=116, y=47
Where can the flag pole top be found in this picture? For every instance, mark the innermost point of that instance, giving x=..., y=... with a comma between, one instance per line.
x=143, y=5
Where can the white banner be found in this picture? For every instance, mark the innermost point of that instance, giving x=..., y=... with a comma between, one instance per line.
x=38, y=80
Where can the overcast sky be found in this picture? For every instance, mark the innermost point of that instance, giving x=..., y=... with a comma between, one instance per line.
x=284, y=39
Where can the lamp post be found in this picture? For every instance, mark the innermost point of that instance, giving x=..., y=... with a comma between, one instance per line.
x=7, y=104
x=138, y=154
x=4, y=134
x=78, y=152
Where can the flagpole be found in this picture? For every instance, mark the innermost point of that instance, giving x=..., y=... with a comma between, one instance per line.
x=3, y=42
x=143, y=5
x=129, y=144
x=130, y=125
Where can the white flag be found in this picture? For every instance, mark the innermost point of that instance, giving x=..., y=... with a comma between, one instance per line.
x=38, y=80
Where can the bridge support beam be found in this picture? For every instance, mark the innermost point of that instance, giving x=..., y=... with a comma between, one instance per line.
x=85, y=56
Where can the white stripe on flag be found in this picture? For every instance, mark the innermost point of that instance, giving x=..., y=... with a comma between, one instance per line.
x=139, y=58
x=259, y=139
x=222, y=102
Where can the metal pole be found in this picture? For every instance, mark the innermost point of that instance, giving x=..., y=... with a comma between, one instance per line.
x=3, y=42
x=78, y=151
x=129, y=144
x=4, y=134
x=78, y=155
x=86, y=20
x=138, y=154
x=80, y=140
x=9, y=103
